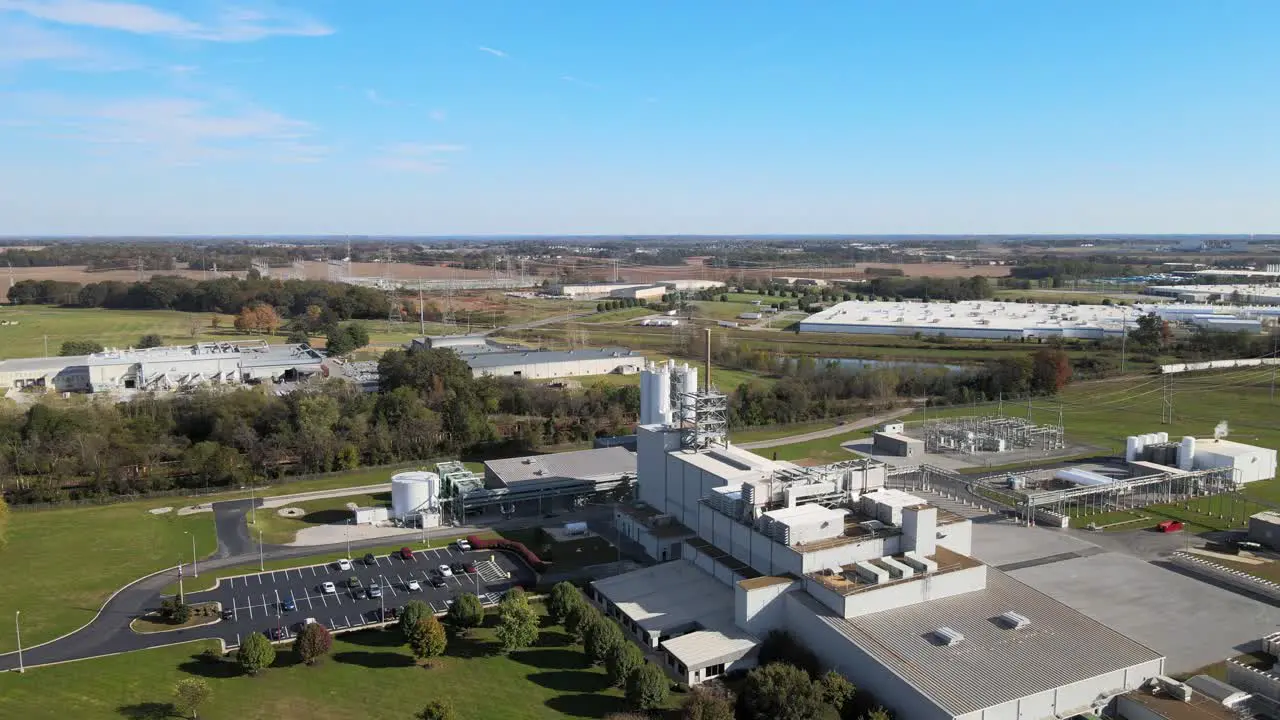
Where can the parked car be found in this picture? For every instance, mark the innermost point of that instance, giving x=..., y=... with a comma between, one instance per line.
x=274, y=633
x=327, y=588
x=462, y=545
x=413, y=585
x=358, y=593
x=344, y=564
x=469, y=567
x=406, y=553
x=445, y=571
x=437, y=580
x=457, y=568
x=228, y=614
x=375, y=590
x=1169, y=526
x=288, y=605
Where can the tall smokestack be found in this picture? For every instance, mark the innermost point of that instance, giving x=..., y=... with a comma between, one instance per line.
x=708, y=381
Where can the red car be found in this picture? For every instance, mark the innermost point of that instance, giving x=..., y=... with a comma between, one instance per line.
x=1169, y=526
x=406, y=553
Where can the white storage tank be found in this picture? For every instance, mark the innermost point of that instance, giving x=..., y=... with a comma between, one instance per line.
x=413, y=492
x=1187, y=453
x=1131, y=448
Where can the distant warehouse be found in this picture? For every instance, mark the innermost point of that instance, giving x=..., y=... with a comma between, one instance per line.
x=544, y=364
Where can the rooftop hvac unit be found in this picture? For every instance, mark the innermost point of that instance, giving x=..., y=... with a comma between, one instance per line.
x=1014, y=621
x=947, y=636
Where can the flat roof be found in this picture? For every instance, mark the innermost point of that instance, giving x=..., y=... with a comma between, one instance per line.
x=973, y=314
x=43, y=363
x=675, y=596
x=506, y=359
x=993, y=664
x=580, y=464
x=1198, y=708
x=852, y=583
x=1227, y=447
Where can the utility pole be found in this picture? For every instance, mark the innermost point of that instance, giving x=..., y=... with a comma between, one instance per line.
x=17, y=629
x=195, y=568
x=1124, y=337
x=348, y=529
x=261, y=559
x=1166, y=405
x=1275, y=339
x=182, y=597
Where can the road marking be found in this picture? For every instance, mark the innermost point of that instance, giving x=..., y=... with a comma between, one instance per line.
x=345, y=620
x=376, y=562
x=313, y=571
x=332, y=625
x=250, y=607
x=388, y=586
x=259, y=579
x=324, y=599
x=237, y=638
x=338, y=597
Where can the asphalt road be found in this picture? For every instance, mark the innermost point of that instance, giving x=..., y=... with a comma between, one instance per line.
x=233, y=533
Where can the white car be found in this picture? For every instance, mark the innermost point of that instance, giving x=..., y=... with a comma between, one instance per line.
x=327, y=588
x=309, y=621
x=445, y=571
x=413, y=585
x=463, y=545
x=344, y=564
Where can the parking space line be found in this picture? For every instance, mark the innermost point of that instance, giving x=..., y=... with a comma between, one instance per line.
x=376, y=561
x=250, y=607
x=338, y=597
x=388, y=586
x=259, y=578
x=332, y=624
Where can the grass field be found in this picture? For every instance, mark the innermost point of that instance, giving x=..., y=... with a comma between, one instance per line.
x=748, y=434
x=614, y=316
x=111, y=328
x=368, y=674
x=816, y=452
x=65, y=563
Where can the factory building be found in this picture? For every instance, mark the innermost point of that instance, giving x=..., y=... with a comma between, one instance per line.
x=593, y=291
x=164, y=368
x=545, y=364
x=642, y=292
x=876, y=581
x=585, y=468
x=1248, y=463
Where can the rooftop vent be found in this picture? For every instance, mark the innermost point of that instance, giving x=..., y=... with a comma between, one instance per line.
x=948, y=636
x=1014, y=621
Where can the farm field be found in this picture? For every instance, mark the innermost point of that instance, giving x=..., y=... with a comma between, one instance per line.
x=111, y=328
x=367, y=672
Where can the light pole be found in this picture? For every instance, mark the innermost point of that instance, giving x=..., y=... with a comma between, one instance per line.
x=195, y=568
x=17, y=629
x=261, y=562
x=348, y=529
x=181, y=595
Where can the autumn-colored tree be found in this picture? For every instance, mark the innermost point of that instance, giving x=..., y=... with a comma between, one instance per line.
x=1050, y=370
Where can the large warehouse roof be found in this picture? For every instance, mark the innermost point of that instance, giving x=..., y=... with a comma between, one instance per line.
x=533, y=357
x=979, y=315
x=581, y=464
x=994, y=663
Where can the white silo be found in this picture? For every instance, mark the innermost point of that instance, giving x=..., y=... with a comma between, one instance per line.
x=1187, y=453
x=646, y=409
x=662, y=396
x=1162, y=437
x=413, y=492
x=689, y=387
x=1131, y=448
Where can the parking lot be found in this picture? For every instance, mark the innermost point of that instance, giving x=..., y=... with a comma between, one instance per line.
x=258, y=601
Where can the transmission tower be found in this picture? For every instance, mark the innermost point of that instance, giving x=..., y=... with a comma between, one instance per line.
x=1166, y=403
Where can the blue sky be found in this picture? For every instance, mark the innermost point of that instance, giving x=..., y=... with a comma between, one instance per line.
x=653, y=116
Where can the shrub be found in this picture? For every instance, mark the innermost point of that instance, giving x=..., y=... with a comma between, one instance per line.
x=255, y=654
x=181, y=614
x=466, y=612
x=599, y=638
x=428, y=638
x=313, y=643
x=562, y=599
x=437, y=710
x=412, y=612
x=620, y=660
x=647, y=687
x=531, y=559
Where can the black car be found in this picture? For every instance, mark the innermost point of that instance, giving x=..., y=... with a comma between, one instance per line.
x=274, y=633
x=228, y=614
x=369, y=560
x=457, y=568
x=359, y=593
x=437, y=580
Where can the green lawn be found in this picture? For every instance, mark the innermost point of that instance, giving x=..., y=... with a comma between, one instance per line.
x=750, y=434
x=279, y=530
x=368, y=674
x=816, y=452
x=111, y=328
x=63, y=564
x=724, y=310
x=616, y=315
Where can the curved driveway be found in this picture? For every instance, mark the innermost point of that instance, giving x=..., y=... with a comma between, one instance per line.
x=109, y=632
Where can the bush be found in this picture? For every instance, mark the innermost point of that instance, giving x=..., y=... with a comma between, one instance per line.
x=428, y=638
x=600, y=638
x=780, y=691
x=578, y=617
x=620, y=660
x=412, y=612
x=647, y=687
x=255, y=654
x=705, y=704
x=562, y=598
x=518, y=548
x=181, y=614
x=781, y=646
x=437, y=710
x=466, y=612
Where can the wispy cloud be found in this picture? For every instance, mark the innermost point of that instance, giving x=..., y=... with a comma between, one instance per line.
x=579, y=82
x=492, y=51
x=372, y=96
x=26, y=43
x=416, y=157
x=230, y=24
x=175, y=130
x=438, y=115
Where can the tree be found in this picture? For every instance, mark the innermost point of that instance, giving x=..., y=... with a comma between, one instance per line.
x=563, y=597
x=837, y=691
x=215, y=321
x=181, y=614
x=298, y=336
x=704, y=704
x=427, y=639
x=313, y=643
x=465, y=613
x=189, y=694
x=599, y=638
x=781, y=646
x=255, y=654
x=4, y=522
x=877, y=714
x=1151, y=329
x=150, y=340
x=647, y=687
x=1050, y=370
x=517, y=623
x=79, y=347
x=578, y=617
x=410, y=615
x=341, y=340
x=246, y=320
x=438, y=710
x=780, y=691
x=620, y=661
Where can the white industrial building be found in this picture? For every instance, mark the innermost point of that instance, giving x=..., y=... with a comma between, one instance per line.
x=987, y=319
x=545, y=364
x=1246, y=294
x=1248, y=463
x=876, y=581
x=592, y=291
x=164, y=368
x=642, y=292
x=587, y=468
